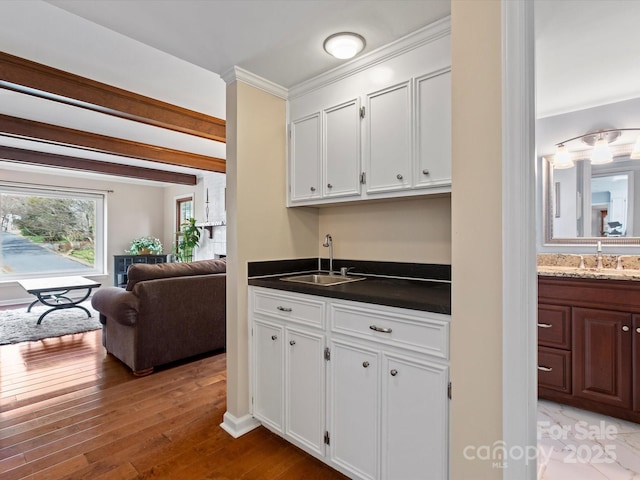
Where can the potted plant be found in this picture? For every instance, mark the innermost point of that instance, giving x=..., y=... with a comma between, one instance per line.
x=188, y=239
x=145, y=246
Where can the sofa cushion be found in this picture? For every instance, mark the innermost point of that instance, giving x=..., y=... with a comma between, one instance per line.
x=139, y=272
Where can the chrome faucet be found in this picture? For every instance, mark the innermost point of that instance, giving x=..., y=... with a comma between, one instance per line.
x=328, y=242
x=599, y=255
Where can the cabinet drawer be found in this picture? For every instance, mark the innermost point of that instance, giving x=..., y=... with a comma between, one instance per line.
x=554, y=369
x=291, y=307
x=554, y=326
x=391, y=327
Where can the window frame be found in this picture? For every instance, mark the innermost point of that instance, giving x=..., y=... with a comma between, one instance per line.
x=100, y=234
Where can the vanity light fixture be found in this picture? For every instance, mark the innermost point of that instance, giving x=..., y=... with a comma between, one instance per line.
x=344, y=45
x=601, y=152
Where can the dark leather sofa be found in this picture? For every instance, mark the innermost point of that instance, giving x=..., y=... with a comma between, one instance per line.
x=168, y=312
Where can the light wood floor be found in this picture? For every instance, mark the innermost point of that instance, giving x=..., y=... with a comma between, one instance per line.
x=70, y=411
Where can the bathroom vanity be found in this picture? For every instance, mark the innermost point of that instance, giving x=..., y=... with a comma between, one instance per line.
x=589, y=339
x=356, y=373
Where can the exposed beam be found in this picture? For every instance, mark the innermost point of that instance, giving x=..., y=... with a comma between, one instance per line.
x=30, y=129
x=33, y=157
x=42, y=81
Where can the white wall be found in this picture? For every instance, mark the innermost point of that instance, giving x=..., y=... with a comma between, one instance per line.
x=133, y=210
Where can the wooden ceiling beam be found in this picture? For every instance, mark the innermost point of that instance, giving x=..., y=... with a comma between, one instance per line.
x=38, y=131
x=25, y=76
x=33, y=157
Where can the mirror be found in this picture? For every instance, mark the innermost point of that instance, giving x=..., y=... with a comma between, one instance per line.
x=589, y=202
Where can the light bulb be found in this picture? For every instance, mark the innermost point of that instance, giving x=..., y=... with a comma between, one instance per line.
x=344, y=45
x=562, y=158
x=635, y=153
x=601, y=152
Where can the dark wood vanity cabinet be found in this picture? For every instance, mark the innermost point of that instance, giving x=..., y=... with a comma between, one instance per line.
x=589, y=344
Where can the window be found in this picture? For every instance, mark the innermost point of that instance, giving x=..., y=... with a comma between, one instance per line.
x=46, y=233
x=184, y=210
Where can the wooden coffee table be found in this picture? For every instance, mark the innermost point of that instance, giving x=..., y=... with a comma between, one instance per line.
x=52, y=292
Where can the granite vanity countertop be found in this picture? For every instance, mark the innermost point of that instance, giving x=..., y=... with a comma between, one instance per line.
x=424, y=295
x=576, y=272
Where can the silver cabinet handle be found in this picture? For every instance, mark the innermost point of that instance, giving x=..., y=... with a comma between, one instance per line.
x=393, y=372
x=292, y=342
x=313, y=189
x=544, y=369
x=638, y=329
x=545, y=325
x=625, y=328
x=399, y=176
x=365, y=364
x=329, y=185
x=425, y=171
x=274, y=337
x=380, y=329
x=284, y=309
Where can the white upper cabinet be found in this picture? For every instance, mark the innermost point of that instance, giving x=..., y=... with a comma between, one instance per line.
x=388, y=139
x=305, y=158
x=377, y=127
x=433, y=129
x=342, y=150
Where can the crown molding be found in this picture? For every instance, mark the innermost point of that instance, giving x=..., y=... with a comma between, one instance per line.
x=236, y=73
x=423, y=36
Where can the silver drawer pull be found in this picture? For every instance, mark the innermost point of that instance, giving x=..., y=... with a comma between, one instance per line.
x=274, y=337
x=365, y=364
x=638, y=329
x=284, y=309
x=399, y=176
x=380, y=329
x=393, y=372
x=625, y=328
x=544, y=369
x=292, y=342
x=545, y=325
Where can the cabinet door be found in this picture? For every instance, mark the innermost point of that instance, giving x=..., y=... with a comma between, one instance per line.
x=636, y=362
x=342, y=150
x=305, y=158
x=602, y=356
x=414, y=419
x=354, y=396
x=305, y=390
x=268, y=374
x=433, y=130
x=388, y=139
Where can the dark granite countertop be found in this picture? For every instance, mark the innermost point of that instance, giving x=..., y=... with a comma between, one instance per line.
x=424, y=295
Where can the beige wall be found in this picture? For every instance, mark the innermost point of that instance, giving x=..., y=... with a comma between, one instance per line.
x=409, y=230
x=259, y=226
x=133, y=210
x=476, y=324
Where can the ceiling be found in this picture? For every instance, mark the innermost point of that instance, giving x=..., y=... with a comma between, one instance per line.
x=176, y=50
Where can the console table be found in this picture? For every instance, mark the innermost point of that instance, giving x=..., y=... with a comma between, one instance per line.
x=121, y=264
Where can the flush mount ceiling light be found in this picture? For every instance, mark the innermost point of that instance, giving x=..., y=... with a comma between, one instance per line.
x=344, y=45
x=600, y=153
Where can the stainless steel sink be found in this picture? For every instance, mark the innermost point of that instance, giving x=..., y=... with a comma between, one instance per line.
x=323, y=279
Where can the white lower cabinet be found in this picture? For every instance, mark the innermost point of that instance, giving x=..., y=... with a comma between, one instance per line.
x=362, y=387
x=304, y=400
x=354, y=409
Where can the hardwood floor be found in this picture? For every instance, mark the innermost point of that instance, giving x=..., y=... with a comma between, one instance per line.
x=70, y=411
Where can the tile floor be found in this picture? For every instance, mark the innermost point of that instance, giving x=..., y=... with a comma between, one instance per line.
x=576, y=444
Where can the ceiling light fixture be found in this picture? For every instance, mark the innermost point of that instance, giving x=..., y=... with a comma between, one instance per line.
x=344, y=45
x=601, y=152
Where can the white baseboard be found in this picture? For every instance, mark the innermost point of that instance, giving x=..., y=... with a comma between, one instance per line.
x=236, y=427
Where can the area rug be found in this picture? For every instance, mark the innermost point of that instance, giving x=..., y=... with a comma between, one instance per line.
x=16, y=325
